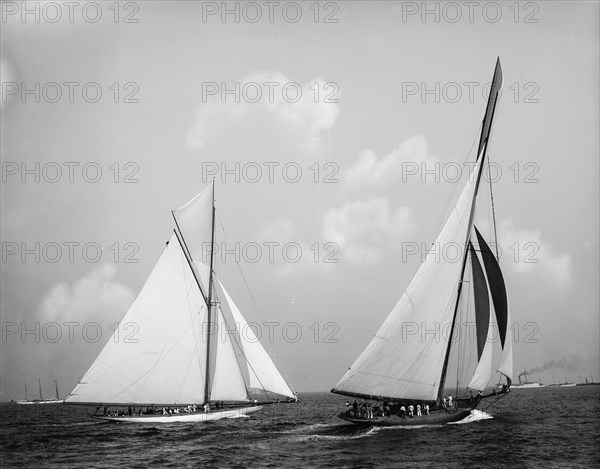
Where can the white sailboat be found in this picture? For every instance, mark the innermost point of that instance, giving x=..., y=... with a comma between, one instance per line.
x=411, y=369
x=188, y=354
x=41, y=400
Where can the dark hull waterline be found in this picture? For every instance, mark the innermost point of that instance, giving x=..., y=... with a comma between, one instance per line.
x=437, y=417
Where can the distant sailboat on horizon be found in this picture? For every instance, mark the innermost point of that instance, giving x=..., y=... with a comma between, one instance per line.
x=188, y=353
x=41, y=400
x=401, y=369
x=566, y=383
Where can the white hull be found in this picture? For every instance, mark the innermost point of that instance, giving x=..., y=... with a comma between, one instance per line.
x=55, y=401
x=184, y=417
x=526, y=386
x=567, y=385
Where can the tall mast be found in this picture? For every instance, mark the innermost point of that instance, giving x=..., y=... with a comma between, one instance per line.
x=210, y=292
x=208, y=296
x=40, y=385
x=481, y=152
x=56, y=384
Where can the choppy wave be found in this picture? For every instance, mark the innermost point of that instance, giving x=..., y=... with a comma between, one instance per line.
x=550, y=426
x=475, y=416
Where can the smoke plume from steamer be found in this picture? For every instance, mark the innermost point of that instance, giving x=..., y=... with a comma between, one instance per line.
x=568, y=363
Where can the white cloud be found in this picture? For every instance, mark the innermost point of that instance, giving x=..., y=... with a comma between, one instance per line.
x=305, y=117
x=363, y=229
x=527, y=253
x=410, y=156
x=96, y=296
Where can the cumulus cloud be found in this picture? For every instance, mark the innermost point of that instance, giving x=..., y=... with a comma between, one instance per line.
x=362, y=229
x=93, y=297
x=305, y=109
x=409, y=158
x=526, y=252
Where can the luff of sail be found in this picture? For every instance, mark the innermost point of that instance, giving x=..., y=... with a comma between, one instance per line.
x=403, y=360
x=164, y=363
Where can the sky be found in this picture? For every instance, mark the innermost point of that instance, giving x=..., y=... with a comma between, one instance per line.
x=336, y=133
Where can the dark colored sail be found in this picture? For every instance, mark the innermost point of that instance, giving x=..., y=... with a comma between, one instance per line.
x=491, y=105
x=497, y=286
x=482, y=302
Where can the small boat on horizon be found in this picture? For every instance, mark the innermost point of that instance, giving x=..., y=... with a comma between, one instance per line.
x=566, y=383
x=41, y=400
x=588, y=383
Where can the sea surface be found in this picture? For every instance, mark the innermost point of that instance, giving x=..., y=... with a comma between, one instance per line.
x=546, y=427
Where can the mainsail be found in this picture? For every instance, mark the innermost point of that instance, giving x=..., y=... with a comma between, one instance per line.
x=179, y=355
x=409, y=355
x=163, y=362
x=405, y=357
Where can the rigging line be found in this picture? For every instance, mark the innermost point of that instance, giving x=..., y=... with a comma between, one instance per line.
x=393, y=280
x=493, y=209
x=271, y=348
x=499, y=396
x=239, y=268
x=454, y=187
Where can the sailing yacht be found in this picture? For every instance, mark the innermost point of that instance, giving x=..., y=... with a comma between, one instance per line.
x=41, y=400
x=188, y=356
x=566, y=383
x=402, y=369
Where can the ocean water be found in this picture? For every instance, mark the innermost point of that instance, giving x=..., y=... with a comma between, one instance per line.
x=547, y=427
